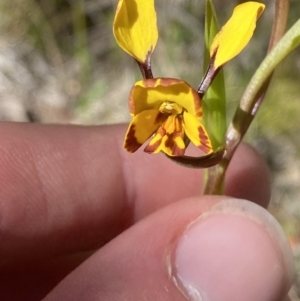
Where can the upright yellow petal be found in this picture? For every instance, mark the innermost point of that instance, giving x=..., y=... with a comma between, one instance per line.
x=135, y=27
x=151, y=93
x=236, y=33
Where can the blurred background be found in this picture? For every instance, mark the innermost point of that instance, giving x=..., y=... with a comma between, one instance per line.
x=59, y=63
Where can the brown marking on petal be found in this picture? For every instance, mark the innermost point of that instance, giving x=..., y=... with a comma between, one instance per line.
x=169, y=81
x=171, y=139
x=177, y=151
x=161, y=118
x=205, y=148
x=204, y=140
x=202, y=135
x=131, y=102
x=130, y=143
x=149, y=83
x=150, y=149
x=161, y=131
x=197, y=103
x=171, y=144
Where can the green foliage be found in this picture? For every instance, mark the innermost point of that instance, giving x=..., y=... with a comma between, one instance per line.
x=215, y=97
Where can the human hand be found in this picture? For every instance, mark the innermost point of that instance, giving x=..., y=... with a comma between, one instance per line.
x=67, y=191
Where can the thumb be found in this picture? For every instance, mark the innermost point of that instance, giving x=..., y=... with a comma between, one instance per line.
x=207, y=248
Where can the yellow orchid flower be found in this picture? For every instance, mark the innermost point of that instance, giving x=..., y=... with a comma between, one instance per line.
x=166, y=110
x=236, y=33
x=135, y=28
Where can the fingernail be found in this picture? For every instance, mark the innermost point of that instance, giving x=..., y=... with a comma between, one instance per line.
x=234, y=251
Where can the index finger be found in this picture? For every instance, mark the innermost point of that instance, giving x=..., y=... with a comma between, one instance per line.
x=72, y=188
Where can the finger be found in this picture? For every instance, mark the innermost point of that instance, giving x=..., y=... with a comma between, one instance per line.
x=33, y=280
x=248, y=177
x=207, y=248
x=67, y=189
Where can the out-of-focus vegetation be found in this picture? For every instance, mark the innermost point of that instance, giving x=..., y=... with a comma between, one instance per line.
x=59, y=63
x=73, y=39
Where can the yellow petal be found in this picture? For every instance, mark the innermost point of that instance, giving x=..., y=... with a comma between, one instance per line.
x=196, y=132
x=135, y=27
x=151, y=93
x=169, y=138
x=236, y=33
x=154, y=145
x=141, y=128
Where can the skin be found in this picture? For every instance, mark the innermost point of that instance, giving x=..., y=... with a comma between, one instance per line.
x=69, y=191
